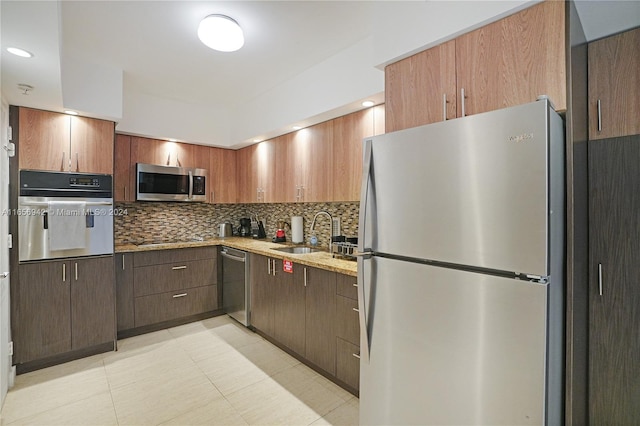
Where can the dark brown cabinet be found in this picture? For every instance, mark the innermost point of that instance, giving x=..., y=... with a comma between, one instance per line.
x=347, y=331
x=614, y=293
x=64, y=306
x=262, y=294
x=614, y=84
x=289, y=306
x=124, y=291
x=320, y=347
x=174, y=284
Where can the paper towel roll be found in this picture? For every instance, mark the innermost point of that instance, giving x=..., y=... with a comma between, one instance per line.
x=297, y=233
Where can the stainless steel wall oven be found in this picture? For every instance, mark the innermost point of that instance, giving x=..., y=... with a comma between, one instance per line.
x=64, y=215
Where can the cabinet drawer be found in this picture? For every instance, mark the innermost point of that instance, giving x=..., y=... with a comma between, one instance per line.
x=347, y=320
x=347, y=364
x=158, y=257
x=173, y=276
x=347, y=286
x=175, y=304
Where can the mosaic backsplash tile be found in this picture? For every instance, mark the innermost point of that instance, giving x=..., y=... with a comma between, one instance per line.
x=154, y=222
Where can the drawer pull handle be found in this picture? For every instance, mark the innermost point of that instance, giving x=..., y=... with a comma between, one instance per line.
x=355, y=285
x=356, y=309
x=175, y=296
x=356, y=355
x=179, y=267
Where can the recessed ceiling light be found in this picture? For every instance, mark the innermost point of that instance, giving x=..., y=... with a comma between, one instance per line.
x=68, y=111
x=221, y=33
x=367, y=104
x=172, y=140
x=297, y=127
x=19, y=52
x=257, y=140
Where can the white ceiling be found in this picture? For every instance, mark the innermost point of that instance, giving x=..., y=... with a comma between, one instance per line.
x=148, y=60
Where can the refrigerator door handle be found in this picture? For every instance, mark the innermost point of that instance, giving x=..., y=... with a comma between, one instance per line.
x=363, y=253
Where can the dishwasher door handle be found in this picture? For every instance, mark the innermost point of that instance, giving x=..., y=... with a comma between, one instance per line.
x=232, y=257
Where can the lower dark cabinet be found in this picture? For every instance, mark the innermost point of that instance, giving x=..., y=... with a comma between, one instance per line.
x=124, y=291
x=64, y=306
x=348, y=363
x=171, y=305
x=320, y=346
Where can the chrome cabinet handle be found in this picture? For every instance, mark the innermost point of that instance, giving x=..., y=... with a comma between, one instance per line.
x=76, y=268
x=355, y=285
x=444, y=107
x=274, y=267
x=599, y=116
x=125, y=193
x=268, y=266
x=356, y=309
x=175, y=268
x=356, y=355
x=463, y=97
x=123, y=262
x=175, y=296
x=600, y=278
x=213, y=197
x=305, y=277
x=77, y=163
x=64, y=272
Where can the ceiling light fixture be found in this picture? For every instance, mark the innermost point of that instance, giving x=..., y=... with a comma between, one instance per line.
x=367, y=104
x=20, y=52
x=219, y=32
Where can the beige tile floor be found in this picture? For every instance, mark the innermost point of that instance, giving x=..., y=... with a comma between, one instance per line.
x=211, y=372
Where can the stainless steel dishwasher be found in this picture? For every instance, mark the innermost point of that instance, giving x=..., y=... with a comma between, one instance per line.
x=235, y=284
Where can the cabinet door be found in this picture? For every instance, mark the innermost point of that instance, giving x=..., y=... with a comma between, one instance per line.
x=614, y=84
x=320, y=313
x=43, y=140
x=124, y=291
x=262, y=294
x=92, y=145
x=291, y=152
x=255, y=179
x=421, y=89
x=348, y=133
x=513, y=61
x=44, y=314
x=222, y=176
x=92, y=302
x=289, y=307
x=348, y=363
x=151, y=151
x=614, y=246
x=123, y=170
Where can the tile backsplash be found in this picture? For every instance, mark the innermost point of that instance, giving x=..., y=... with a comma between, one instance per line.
x=150, y=222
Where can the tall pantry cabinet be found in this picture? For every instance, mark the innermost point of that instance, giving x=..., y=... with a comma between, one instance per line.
x=614, y=230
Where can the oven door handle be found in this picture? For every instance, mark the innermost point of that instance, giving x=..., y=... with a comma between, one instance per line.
x=190, y=184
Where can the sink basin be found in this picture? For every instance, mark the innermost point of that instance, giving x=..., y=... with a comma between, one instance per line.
x=298, y=250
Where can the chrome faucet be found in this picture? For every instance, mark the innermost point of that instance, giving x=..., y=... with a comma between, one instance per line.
x=313, y=224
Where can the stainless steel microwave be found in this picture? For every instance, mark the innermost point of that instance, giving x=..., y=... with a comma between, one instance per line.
x=165, y=183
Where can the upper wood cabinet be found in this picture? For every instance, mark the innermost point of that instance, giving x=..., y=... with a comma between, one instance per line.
x=513, y=61
x=222, y=176
x=506, y=63
x=255, y=174
x=123, y=170
x=60, y=142
x=421, y=89
x=614, y=85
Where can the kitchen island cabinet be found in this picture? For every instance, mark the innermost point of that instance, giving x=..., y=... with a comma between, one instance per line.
x=60, y=142
x=506, y=63
x=614, y=84
x=64, y=306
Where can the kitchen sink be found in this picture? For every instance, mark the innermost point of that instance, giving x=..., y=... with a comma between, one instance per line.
x=298, y=250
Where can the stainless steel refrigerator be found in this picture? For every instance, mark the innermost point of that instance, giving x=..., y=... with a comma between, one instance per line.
x=460, y=271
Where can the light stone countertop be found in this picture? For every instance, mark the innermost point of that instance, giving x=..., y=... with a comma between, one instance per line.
x=320, y=259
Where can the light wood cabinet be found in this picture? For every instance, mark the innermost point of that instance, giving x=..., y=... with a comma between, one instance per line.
x=505, y=63
x=421, y=89
x=123, y=171
x=60, y=142
x=513, y=61
x=255, y=175
x=614, y=86
x=64, y=306
x=222, y=176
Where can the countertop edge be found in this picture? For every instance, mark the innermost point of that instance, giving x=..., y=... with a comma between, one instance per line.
x=321, y=259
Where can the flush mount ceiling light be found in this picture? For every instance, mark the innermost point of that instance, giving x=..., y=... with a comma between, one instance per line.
x=220, y=32
x=20, y=52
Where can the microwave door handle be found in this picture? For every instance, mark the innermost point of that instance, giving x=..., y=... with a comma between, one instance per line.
x=190, y=184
